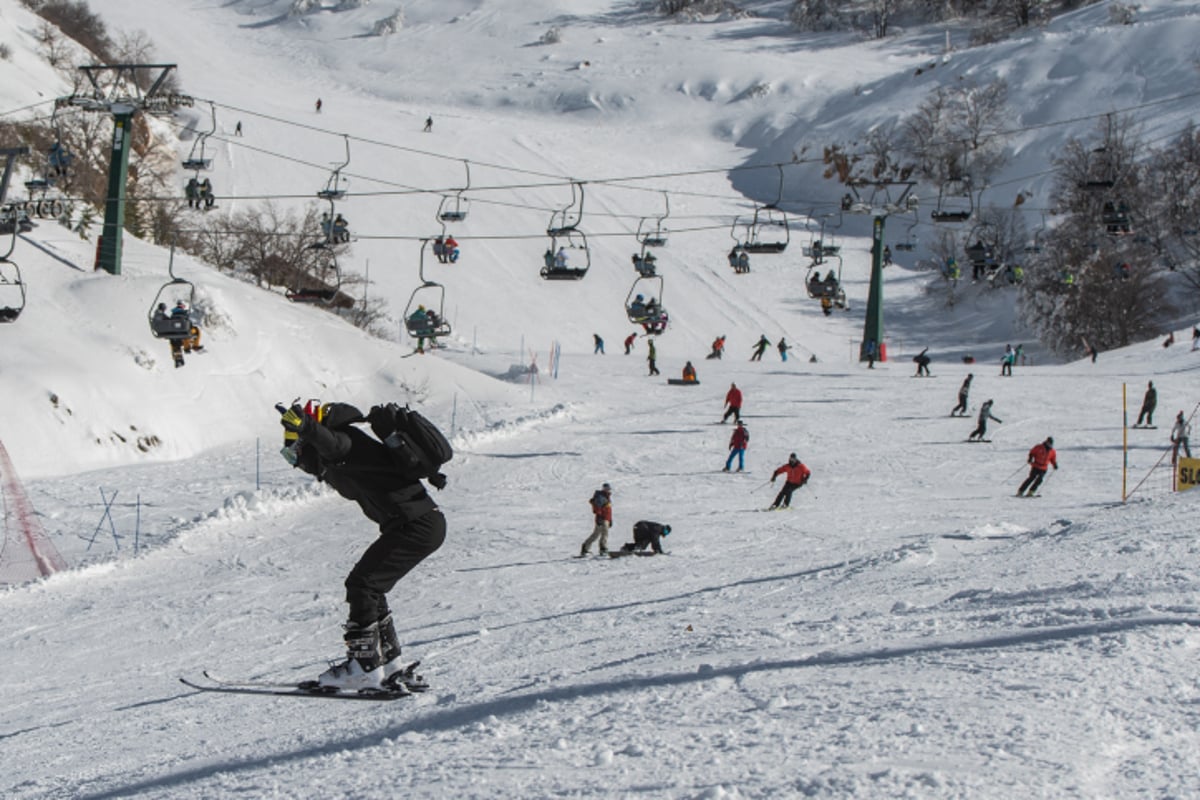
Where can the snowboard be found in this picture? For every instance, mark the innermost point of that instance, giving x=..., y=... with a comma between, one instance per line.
x=623, y=553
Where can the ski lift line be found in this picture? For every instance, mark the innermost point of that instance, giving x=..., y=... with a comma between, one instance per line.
x=559, y=180
x=615, y=180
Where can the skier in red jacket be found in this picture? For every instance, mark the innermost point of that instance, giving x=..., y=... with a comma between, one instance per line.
x=737, y=447
x=795, y=475
x=1040, y=458
x=733, y=399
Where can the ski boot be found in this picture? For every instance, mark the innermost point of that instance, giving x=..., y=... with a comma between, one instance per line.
x=363, y=667
x=397, y=675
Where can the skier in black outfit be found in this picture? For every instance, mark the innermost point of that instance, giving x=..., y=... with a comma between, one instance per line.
x=1149, y=403
x=760, y=347
x=647, y=534
x=360, y=468
x=960, y=410
x=985, y=413
x=922, y=361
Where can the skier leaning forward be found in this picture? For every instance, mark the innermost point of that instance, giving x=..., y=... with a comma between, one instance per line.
x=360, y=468
x=1041, y=456
x=795, y=475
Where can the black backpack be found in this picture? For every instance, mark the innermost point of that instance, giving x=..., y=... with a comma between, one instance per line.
x=417, y=447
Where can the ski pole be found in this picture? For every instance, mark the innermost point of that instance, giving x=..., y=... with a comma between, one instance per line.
x=1014, y=472
x=761, y=485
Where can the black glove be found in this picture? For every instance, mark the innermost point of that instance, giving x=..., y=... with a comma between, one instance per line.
x=382, y=420
x=294, y=420
x=438, y=481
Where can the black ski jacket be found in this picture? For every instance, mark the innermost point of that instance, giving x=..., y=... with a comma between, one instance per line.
x=360, y=468
x=646, y=533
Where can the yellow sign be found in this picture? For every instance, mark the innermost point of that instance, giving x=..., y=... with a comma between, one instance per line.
x=1187, y=475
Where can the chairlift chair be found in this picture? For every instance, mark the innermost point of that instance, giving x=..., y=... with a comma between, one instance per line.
x=654, y=319
x=162, y=323
x=766, y=218
x=12, y=288
x=576, y=247
x=909, y=242
x=456, y=212
x=429, y=295
x=324, y=288
x=819, y=287
x=196, y=160
x=950, y=213
x=658, y=236
x=333, y=187
x=1115, y=216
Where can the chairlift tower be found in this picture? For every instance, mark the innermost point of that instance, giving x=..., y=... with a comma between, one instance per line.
x=879, y=204
x=116, y=91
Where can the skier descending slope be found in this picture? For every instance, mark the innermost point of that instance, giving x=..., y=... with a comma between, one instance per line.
x=1041, y=456
x=361, y=468
x=795, y=475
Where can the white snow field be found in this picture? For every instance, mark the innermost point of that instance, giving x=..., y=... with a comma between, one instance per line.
x=909, y=629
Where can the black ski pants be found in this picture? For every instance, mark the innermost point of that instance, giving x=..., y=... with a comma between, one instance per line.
x=784, y=498
x=1033, y=481
x=734, y=411
x=962, y=405
x=399, y=548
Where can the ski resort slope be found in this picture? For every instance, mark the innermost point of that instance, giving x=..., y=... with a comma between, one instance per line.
x=908, y=629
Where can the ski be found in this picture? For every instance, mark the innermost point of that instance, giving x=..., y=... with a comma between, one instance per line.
x=295, y=690
x=399, y=684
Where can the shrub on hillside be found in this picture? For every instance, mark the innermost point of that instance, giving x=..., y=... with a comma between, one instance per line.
x=76, y=20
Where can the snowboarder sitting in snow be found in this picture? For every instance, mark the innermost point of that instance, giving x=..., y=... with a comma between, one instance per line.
x=1040, y=457
x=647, y=534
x=360, y=467
x=689, y=373
x=795, y=475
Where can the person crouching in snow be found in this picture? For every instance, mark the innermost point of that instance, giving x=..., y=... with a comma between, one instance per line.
x=647, y=534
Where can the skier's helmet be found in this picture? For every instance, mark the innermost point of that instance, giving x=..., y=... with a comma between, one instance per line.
x=606, y=488
x=666, y=530
x=1049, y=441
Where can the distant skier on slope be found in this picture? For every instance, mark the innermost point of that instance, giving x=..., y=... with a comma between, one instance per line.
x=1149, y=403
x=760, y=347
x=733, y=401
x=738, y=443
x=985, y=413
x=795, y=475
x=601, y=503
x=960, y=410
x=1041, y=456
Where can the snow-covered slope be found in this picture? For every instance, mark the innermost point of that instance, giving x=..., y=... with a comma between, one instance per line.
x=910, y=629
